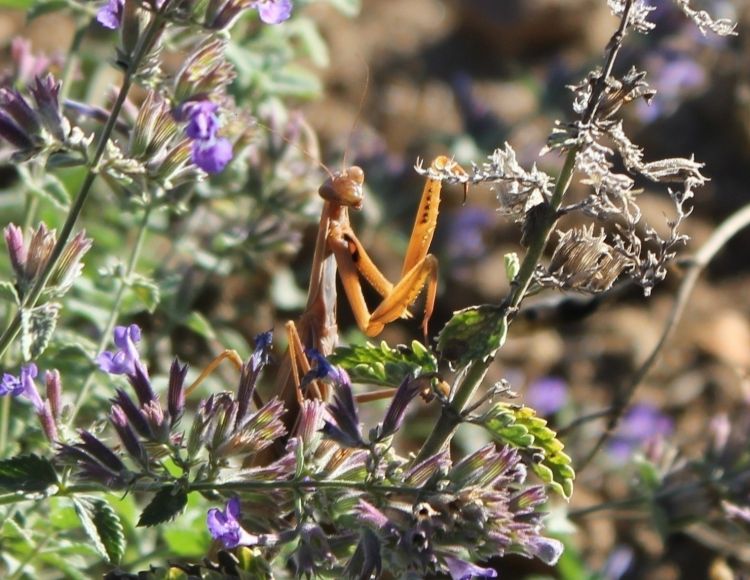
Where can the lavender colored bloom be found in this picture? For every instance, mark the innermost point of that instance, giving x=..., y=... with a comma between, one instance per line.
x=54, y=391
x=547, y=395
x=123, y=361
x=463, y=570
x=274, y=11
x=16, y=248
x=323, y=369
x=640, y=423
x=23, y=384
x=212, y=156
x=225, y=526
x=110, y=15
x=203, y=123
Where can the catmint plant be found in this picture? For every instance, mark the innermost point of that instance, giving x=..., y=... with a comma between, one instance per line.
x=203, y=174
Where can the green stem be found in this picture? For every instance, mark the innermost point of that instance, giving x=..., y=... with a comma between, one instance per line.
x=227, y=486
x=32, y=297
x=30, y=207
x=450, y=417
x=67, y=73
x=115, y=310
x=4, y=424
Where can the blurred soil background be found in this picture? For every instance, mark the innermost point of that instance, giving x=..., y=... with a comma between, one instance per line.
x=463, y=77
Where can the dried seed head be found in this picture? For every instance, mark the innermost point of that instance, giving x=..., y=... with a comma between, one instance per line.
x=584, y=261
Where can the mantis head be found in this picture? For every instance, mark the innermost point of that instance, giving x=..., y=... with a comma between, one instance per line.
x=344, y=187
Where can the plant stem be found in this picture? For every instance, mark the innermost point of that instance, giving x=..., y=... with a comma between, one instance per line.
x=67, y=73
x=450, y=417
x=728, y=229
x=32, y=297
x=114, y=311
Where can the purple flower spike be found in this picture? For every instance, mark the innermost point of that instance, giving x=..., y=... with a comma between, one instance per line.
x=274, y=11
x=110, y=15
x=547, y=395
x=463, y=570
x=212, y=156
x=225, y=526
x=124, y=361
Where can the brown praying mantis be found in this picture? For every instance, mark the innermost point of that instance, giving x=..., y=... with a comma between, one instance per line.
x=337, y=249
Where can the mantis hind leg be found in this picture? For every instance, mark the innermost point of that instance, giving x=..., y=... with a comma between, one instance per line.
x=230, y=355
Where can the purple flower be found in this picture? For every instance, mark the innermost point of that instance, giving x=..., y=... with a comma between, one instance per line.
x=547, y=395
x=225, y=526
x=640, y=423
x=212, y=156
x=110, y=15
x=274, y=11
x=203, y=123
x=124, y=361
x=23, y=385
x=463, y=570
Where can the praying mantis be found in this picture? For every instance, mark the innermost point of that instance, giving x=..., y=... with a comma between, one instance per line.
x=338, y=251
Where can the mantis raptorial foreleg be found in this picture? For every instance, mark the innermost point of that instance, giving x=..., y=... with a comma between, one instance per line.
x=419, y=268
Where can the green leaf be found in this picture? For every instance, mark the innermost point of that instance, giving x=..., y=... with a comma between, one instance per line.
x=37, y=327
x=27, y=473
x=56, y=191
x=200, y=325
x=294, y=81
x=103, y=527
x=8, y=292
x=473, y=334
x=146, y=290
x=166, y=504
x=520, y=427
x=312, y=43
x=382, y=365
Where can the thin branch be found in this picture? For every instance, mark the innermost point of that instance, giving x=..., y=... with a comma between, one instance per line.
x=728, y=229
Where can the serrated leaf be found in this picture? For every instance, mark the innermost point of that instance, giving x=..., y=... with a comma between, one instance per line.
x=473, y=334
x=521, y=428
x=103, y=527
x=37, y=327
x=165, y=505
x=8, y=292
x=27, y=473
x=383, y=365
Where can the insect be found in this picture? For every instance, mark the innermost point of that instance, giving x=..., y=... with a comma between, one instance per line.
x=338, y=250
